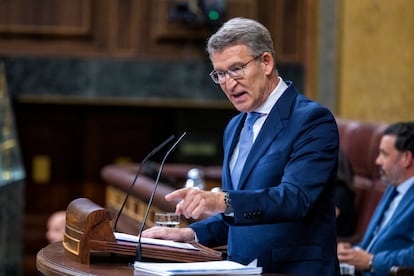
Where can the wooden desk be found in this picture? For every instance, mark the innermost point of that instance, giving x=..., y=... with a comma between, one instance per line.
x=54, y=260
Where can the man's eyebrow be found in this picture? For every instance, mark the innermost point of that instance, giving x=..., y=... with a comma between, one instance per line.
x=233, y=65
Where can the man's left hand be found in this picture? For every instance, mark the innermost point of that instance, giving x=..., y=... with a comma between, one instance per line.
x=195, y=202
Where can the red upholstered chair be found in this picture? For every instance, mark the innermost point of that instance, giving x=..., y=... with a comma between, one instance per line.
x=360, y=142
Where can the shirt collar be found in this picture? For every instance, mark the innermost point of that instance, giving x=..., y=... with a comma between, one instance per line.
x=267, y=106
x=405, y=185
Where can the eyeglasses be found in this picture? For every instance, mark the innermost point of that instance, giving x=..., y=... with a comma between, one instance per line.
x=235, y=73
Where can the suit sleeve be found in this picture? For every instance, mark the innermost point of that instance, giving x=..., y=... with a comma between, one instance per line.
x=211, y=231
x=383, y=261
x=296, y=174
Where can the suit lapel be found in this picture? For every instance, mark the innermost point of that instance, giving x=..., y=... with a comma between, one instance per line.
x=376, y=219
x=402, y=207
x=234, y=129
x=271, y=128
x=405, y=203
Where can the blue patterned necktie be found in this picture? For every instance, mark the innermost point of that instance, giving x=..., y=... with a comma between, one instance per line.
x=245, y=144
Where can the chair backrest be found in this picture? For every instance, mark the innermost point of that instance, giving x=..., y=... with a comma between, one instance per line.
x=360, y=142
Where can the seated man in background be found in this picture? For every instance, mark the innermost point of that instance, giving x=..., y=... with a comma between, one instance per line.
x=345, y=197
x=56, y=226
x=389, y=239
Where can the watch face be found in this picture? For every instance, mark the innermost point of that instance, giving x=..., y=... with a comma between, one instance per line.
x=229, y=210
x=227, y=200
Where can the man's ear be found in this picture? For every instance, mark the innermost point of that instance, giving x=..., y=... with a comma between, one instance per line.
x=269, y=62
x=407, y=159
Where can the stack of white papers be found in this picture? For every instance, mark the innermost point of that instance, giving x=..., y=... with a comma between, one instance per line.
x=131, y=238
x=198, y=268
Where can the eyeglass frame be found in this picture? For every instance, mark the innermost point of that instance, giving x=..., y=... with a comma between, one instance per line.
x=230, y=71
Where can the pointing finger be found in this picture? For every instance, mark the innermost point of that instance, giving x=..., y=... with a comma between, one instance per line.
x=178, y=194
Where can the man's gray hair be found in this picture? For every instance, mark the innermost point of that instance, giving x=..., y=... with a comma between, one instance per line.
x=242, y=31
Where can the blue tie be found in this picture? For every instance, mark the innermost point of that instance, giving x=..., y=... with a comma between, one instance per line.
x=245, y=144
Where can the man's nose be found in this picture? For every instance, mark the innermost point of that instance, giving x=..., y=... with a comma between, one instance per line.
x=229, y=82
x=378, y=160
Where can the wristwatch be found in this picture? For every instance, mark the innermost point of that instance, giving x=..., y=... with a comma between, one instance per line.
x=370, y=267
x=229, y=207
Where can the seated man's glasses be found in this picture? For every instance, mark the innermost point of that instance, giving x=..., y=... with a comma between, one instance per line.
x=235, y=73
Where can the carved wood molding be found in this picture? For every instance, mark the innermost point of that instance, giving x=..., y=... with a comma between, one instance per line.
x=46, y=17
x=135, y=28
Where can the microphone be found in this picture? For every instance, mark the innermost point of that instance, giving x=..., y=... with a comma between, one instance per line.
x=154, y=151
x=138, y=256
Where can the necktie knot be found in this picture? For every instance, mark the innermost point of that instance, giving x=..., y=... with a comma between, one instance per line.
x=394, y=192
x=252, y=118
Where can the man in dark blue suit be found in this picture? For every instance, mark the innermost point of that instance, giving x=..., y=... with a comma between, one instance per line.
x=277, y=206
x=389, y=239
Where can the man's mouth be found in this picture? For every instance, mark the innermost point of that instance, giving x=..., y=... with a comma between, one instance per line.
x=238, y=94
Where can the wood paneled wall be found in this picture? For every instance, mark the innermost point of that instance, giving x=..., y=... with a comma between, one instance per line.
x=133, y=28
x=65, y=145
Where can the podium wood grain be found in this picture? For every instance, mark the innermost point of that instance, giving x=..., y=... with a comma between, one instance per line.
x=55, y=260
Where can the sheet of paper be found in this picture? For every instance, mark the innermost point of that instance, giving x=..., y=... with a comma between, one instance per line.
x=132, y=238
x=199, y=268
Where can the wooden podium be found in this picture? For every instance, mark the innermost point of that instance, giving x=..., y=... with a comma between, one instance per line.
x=88, y=229
x=54, y=260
